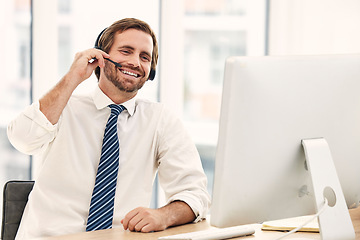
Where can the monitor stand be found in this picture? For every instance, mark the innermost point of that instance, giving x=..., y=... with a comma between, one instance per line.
x=335, y=221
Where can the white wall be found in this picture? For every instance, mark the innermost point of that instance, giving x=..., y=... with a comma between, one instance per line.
x=314, y=27
x=45, y=47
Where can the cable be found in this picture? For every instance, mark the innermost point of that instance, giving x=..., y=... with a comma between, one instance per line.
x=322, y=209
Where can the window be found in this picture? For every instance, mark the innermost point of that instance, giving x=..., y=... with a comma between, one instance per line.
x=15, y=48
x=202, y=34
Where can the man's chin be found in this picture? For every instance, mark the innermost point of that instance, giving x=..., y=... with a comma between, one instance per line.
x=128, y=85
x=127, y=89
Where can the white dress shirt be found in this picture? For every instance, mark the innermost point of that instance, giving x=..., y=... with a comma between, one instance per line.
x=151, y=139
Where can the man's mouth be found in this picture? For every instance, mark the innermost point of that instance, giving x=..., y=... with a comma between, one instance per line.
x=129, y=73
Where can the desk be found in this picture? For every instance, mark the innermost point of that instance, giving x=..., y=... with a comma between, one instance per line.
x=120, y=234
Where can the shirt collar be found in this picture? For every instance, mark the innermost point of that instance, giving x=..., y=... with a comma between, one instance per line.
x=101, y=101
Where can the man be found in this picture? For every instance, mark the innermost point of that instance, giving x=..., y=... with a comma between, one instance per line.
x=68, y=131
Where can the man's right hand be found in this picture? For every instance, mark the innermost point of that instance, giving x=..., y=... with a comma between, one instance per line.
x=85, y=63
x=54, y=102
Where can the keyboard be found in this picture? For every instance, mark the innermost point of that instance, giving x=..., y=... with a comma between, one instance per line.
x=212, y=234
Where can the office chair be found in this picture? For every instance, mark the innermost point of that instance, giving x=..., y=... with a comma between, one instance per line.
x=15, y=198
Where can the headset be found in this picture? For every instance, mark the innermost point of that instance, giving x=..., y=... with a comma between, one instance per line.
x=152, y=71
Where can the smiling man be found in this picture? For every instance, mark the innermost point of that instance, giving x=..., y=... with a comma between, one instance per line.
x=72, y=190
x=137, y=61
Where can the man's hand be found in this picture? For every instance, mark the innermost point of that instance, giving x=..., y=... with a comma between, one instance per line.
x=85, y=63
x=144, y=220
x=148, y=220
x=54, y=102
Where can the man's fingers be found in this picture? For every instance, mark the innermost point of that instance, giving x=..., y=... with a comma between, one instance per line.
x=100, y=55
x=134, y=222
x=128, y=217
x=138, y=227
x=147, y=228
x=144, y=220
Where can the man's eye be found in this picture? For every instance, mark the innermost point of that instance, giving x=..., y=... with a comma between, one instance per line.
x=146, y=58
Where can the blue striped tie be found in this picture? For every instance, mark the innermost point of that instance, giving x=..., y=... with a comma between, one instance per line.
x=102, y=200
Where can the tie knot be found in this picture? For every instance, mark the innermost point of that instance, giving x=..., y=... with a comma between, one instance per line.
x=116, y=109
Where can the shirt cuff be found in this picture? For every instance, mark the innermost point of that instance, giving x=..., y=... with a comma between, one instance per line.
x=193, y=204
x=33, y=112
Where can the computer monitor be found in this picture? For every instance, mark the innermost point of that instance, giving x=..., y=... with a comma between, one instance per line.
x=269, y=105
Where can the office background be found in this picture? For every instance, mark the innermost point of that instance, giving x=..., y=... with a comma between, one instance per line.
x=39, y=39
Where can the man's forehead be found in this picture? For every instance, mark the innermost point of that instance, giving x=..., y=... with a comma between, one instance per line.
x=135, y=39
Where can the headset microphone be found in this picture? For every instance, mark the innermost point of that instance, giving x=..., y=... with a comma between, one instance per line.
x=115, y=63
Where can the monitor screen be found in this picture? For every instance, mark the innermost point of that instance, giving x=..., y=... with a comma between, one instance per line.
x=269, y=105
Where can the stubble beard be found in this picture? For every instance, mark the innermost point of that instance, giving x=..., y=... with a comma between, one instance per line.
x=111, y=74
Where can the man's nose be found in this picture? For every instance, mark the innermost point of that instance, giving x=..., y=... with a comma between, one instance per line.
x=134, y=60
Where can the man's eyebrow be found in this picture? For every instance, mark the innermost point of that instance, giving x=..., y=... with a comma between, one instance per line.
x=127, y=47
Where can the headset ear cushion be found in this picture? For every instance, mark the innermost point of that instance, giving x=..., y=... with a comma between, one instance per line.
x=152, y=74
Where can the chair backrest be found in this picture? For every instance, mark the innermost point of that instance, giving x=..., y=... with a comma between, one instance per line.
x=15, y=198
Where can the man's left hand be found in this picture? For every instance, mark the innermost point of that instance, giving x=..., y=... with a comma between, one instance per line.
x=143, y=219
